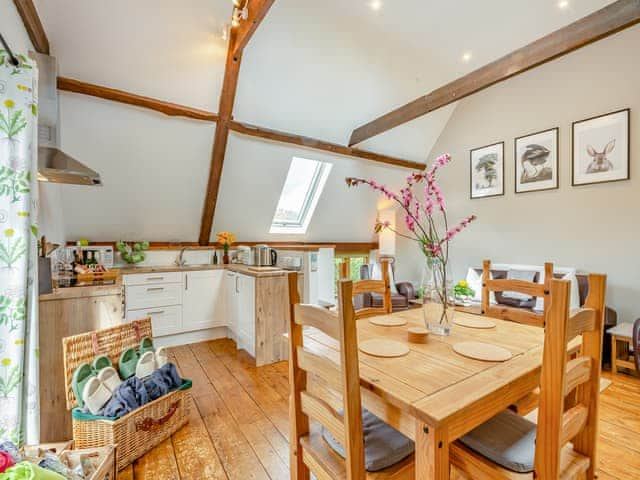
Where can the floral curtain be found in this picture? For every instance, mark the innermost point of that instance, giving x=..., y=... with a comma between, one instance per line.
x=19, y=415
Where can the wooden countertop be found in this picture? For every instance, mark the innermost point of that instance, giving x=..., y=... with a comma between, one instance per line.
x=82, y=292
x=245, y=269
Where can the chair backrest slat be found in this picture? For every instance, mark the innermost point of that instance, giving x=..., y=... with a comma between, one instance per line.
x=561, y=376
x=336, y=385
x=532, y=289
x=381, y=287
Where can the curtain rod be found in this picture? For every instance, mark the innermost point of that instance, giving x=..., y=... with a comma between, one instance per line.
x=12, y=58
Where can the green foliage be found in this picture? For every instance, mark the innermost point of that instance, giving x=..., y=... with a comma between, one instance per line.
x=12, y=313
x=14, y=183
x=12, y=123
x=10, y=380
x=462, y=289
x=12, y=251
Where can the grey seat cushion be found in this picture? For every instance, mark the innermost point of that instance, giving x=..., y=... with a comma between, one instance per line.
x=383, y=445
x=527, y=276
x=507, y=439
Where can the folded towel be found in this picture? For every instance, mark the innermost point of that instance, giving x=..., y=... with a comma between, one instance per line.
x=130, y=395
x=162, y=381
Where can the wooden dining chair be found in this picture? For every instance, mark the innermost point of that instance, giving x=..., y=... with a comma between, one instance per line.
x=382, y=287
x=310, y=372
x=515, y=314
x=563, y=444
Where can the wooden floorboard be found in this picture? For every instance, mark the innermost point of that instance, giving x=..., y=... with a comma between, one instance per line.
x=238, y=427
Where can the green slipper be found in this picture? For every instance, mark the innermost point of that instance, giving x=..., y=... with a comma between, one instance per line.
x=146, y=345
x=127, y=363
x=101, y=362
x=80, y=378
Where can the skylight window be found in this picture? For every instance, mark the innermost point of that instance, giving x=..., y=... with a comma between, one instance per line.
x=302, y=188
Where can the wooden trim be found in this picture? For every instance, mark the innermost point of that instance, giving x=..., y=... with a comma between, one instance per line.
x=258, y=9
x=313, y=143
x=605, y=22
x=168, y=108
x=33, y=25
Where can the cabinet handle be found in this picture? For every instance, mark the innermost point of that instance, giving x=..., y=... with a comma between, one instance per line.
x=155, y=279
x=159, y=312
x=186, y=282
x=155, y=289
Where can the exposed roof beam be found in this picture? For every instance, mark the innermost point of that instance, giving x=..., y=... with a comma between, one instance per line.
x=257, y=11
x=238, y=40
x=600, y=24
x=316, y=144
x=168, y=108
x=177, y=110
x=33, y=25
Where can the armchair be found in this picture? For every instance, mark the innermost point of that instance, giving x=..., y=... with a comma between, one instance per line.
x=401, y=292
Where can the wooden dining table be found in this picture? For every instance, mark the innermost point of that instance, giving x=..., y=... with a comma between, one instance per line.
x=434, y=395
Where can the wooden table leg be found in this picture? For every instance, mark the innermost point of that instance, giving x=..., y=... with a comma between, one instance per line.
x=432, y=453
x=614, y=354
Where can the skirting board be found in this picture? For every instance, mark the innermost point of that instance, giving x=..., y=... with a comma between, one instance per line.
x=191, y=337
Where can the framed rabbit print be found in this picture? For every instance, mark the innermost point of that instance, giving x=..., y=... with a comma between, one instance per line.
x=601, y=149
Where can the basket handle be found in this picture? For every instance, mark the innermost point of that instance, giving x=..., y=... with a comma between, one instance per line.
x=150, y=424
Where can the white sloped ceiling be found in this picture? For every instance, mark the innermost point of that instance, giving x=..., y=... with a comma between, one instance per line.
x=314, y=68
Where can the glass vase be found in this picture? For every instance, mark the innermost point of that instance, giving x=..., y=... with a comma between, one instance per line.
x=438, y=302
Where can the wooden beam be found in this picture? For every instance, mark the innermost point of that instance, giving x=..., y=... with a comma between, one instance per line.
x=237, y=41
x=600, y=24
x=177, y=110
x=257, y=11
x=168, y=108
x=315, y=144
x=33, y=25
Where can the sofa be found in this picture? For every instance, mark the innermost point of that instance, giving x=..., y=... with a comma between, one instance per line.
x=610, y=318
x=400, y=295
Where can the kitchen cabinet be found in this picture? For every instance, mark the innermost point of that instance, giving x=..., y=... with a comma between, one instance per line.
x=164, y=320
x=246, y=318
x=158, y=296
x=203, y=300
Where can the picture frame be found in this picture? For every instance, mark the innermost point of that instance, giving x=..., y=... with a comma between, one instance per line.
x=601, y=148
x=486, y=173
x=536, y=159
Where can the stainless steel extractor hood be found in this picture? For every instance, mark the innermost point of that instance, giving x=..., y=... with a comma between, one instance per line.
x=53, y=164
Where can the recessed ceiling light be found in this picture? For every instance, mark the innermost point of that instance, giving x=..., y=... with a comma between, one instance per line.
x=563, y=4
x=375, y=4
x=466, y=57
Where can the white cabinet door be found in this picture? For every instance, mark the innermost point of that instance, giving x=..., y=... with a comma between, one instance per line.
x=247, y=313
x=231, y=310
x=164, y=320
x=203, y=300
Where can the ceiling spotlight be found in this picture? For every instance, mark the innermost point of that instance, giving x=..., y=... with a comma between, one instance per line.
x=563, y=4
x=375, y=4
x=466, y=57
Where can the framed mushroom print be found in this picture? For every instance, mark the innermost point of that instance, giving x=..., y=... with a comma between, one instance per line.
x=487, y=171
x=536, y=157
x=601, y=149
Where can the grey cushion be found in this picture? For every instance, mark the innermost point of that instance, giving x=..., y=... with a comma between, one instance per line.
x=507, y=439
x=527, y=276
x=383, y=445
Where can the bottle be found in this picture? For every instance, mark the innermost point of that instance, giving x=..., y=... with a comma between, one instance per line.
x=215, y=257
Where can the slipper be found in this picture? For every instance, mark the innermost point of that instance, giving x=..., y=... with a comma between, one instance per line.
x=146, y=365
x=146, y=345
x=80, y=378
x=95, y=395
x=101, y=362
x=161, y=357
x=109, y=378
x=127, y=363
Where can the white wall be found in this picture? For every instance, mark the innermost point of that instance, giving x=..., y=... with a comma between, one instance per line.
x=593, y=228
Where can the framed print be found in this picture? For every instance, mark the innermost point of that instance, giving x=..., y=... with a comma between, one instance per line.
x=536, y=157
x=487, y=171
x=601, y=149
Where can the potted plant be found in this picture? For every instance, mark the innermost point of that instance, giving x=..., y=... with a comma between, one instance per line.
x=463, y=293
x=226, y=239
x=425, y=217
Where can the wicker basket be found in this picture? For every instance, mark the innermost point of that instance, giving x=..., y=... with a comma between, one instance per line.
x=104, y=458
x=139, y=431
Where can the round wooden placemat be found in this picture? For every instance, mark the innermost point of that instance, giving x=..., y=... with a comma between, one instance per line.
x=388, y=321
x=474, y=322
x=381, y=347
x=482, y=351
